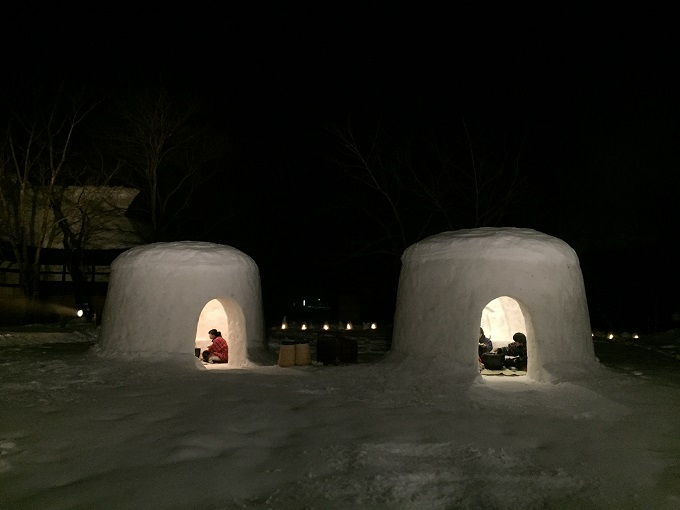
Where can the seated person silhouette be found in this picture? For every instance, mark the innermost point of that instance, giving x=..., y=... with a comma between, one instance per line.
x=218, y=351
x=515, y=352
x=485, y=344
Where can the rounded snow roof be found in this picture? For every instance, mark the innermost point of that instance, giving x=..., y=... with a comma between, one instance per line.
x=506, y=243
x=183, y=253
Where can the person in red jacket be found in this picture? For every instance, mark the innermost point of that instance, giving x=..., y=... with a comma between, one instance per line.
x=218, y=350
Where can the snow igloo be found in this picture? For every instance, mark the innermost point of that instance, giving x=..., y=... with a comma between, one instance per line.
x=163, y=298
x=505, y=280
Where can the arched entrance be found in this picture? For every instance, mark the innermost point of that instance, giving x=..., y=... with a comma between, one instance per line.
x=501, y=318
x=226, y=316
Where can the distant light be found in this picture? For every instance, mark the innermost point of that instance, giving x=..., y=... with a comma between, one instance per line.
x=304, y=326
x=610, y=336
x=349, y=325
x=635, y=336
x=80, y=313
x=303, y=303
x=592, y=334
x=374, y=325
x=284, y=325
x=325, y=326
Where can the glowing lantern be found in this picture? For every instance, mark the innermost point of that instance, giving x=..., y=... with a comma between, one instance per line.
x=635, y=336
x=325, y=326
x=374, y=325
x=349, y=325
x=79, y=313
x=610, y=336
x=304, y=326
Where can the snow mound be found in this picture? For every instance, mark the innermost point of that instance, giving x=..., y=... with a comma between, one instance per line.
x=505, y=244
x=448, y=280
x=157, y=294
x=184, y=253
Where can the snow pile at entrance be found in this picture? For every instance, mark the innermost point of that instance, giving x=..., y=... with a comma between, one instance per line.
x=448, y=280
x=157, y=292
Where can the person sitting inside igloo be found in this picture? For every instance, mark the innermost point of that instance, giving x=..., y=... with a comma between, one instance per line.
x=485, y=344
x=218, y=350
x=515, y=352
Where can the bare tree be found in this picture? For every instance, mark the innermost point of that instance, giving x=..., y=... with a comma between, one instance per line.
x=165, y=151
x=475, y=178
x=92, y=216
x=34, y=159
x=380, y=171
x=418, y=187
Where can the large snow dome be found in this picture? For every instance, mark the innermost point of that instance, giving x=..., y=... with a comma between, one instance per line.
x=505, y=280
x=164, y=298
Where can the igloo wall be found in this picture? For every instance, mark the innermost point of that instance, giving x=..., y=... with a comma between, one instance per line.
x=446, y=281
x=157, y=292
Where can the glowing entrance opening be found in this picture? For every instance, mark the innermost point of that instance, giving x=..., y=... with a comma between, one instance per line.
x=226, y=316
x=502, y=318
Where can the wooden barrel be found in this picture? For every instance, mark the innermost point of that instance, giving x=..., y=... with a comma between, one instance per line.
x=303, y=355
x=287, y=354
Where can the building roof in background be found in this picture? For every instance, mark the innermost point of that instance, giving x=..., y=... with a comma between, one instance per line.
x=95, y=212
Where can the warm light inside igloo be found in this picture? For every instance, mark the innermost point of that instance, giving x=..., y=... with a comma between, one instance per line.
x=502, y=318
x=226, y=316
x=213, y=316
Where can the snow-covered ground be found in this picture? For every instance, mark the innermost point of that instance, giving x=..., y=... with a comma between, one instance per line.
x=80, y=430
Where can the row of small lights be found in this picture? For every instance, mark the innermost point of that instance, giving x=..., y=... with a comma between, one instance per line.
x=327, y=327
x=610, y=336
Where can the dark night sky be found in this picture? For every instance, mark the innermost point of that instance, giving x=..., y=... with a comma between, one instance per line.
x=595, y=91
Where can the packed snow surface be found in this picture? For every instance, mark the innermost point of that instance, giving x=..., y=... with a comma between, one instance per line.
x=81, y=430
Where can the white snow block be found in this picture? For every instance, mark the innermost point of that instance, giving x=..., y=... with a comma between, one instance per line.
x=157, y=293
x=447, y=279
